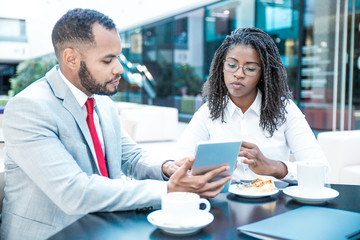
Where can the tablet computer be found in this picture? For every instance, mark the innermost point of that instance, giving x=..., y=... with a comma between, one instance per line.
x=211, y=154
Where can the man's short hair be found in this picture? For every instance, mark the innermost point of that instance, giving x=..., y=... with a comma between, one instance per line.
x=75, y=27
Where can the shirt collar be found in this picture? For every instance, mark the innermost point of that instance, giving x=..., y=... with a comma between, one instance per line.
x=81, y=97
x=255, y=106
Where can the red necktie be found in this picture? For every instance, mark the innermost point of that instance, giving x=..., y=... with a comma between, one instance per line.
x=98, y=150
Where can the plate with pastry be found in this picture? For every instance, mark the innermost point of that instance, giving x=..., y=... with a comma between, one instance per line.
x=254, y=189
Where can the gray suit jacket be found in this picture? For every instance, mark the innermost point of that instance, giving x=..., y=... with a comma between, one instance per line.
x=51, y=175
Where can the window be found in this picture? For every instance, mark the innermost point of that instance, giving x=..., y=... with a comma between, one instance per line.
x=12, y=30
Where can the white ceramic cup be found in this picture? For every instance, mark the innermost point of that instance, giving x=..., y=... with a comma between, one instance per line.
x=182, y=208
x=311, y=177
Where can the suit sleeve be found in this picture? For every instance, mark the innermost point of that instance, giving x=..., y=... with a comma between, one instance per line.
x=34, y=147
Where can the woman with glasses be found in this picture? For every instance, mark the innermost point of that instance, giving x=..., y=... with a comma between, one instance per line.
x=248, y=98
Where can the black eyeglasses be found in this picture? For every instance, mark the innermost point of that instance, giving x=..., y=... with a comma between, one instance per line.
x=249, y=69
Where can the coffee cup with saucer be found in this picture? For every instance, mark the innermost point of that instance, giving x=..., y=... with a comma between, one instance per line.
x=311, y=187
x=180, y=213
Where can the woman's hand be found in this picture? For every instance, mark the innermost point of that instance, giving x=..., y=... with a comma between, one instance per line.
x=259, y=164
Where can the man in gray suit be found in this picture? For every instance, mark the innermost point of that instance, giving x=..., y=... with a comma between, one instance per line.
x=55, y=172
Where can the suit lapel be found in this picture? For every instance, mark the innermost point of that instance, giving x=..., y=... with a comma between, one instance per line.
x=62, y=91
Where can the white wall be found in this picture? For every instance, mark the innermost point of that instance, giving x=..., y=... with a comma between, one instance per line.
x=41, y=15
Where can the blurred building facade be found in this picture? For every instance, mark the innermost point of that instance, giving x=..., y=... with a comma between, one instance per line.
x=318, y=42
x=167, y=59
x=13, y=48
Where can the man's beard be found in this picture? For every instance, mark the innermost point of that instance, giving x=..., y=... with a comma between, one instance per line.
x=90, y=84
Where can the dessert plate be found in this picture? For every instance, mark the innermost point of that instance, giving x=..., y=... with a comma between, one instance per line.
x=248, y=194
x=156, y=218
x=326, y=195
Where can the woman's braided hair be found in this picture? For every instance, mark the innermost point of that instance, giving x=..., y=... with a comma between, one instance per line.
x=272, y=84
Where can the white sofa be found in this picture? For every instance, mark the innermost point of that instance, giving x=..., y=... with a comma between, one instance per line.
x=2, y=167
x=342, y=149
x=2, y=175
x=148, y=123
x=2, y=186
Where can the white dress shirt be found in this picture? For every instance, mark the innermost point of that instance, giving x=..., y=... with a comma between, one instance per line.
x=293, y=136
x=81, y=99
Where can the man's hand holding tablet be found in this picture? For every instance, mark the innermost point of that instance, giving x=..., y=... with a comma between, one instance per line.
x=211, y=155
x=183, y=181
x=208, y=173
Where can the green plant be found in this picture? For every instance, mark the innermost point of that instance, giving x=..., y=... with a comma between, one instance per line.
x=185, y=77
x=187, y=105
x=185, y=80
x=30, y=70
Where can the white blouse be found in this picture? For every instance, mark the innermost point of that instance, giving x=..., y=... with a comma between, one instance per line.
x=294, y=136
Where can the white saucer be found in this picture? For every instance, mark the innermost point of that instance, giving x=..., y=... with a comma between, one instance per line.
x=235, y=190
x=156, y=219
x=326, y=195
